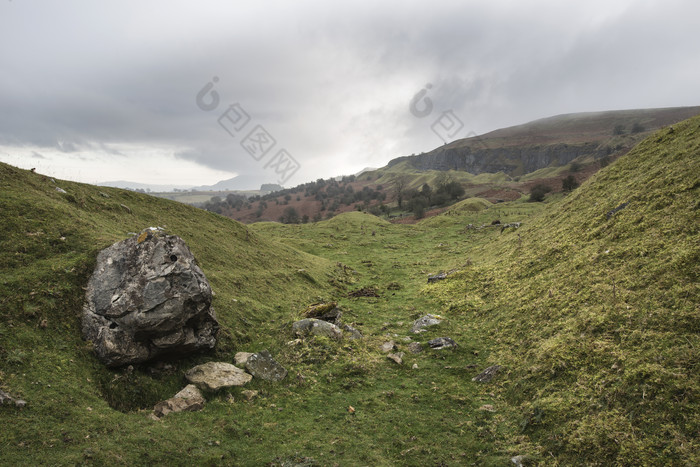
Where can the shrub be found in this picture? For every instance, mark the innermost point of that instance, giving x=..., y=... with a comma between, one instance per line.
x=538, y=191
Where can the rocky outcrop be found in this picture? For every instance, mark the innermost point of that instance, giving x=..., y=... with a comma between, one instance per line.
x=514, y=160
x=212, y=376
x=147, y=297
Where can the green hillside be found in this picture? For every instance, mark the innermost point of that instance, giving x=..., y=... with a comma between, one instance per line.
x=595, y=313
x=590, y=307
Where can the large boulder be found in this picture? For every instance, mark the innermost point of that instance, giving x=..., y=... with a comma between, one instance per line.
x=213, y=376
x=147, y=297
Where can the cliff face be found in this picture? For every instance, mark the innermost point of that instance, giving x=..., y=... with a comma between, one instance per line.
x=510, y=160
x=549, y=142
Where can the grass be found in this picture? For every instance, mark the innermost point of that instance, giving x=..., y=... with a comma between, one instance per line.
x=594, y=319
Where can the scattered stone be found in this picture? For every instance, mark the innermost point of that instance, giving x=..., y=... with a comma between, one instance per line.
x=241, y=357
x=415, y=366
x=397, y=357
x=126, y=208
x=249, y=394
x=423, y=322
x=415, y=347
x=104, y=195
x=405, y=338
x=514, y=225
x=488, y=374
x=212, y=376
x=387, y=347
x=6, y=399
x=612, y=212
x=294, y=342
x=521, y=460
x=146, y=298
x=437, y=277
x=60, y=190
x=442, y=343
x=190, y=399
x=354, y=333
x=316, y=327
x=263, y=366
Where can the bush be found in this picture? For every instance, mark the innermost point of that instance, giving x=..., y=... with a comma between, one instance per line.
x=569, y=183
x=538, y=191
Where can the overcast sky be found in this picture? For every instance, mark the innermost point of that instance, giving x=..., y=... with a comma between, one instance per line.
x=97, y=91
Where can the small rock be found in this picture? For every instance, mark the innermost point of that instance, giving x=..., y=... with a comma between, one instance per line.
x=437, y=277
x=5, y=398
x=354, y=333
x=415, y=347
x=188, y=400
x=521, y=460
x=103, y=194
x=488, y=374
x=249, y=394
x=60, y=190
x=442, y=343
x=387, y=347
x=423, y=322
x=213, y=376
x=241, y=357
x=263, y=366
x=316, y=327
x=325, y=311
x=397, y=357
x=415, y=366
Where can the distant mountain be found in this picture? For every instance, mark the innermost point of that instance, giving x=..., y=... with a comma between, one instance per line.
x=549, y=142
x=238, y=183
x=144, y=186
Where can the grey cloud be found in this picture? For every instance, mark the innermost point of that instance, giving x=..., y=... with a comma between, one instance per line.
x=331, y=82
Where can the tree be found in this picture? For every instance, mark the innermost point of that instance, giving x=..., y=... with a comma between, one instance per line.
x=569, y=183
x=290, y=216
x=400, y=185
x=538, y=191
x=427, y=192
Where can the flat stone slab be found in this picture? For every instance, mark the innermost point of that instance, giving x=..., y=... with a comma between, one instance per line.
x=424, y=322
x=213, y=376
x=241, y=357
x=263, y=366
x=442, y=343
x=190, y=399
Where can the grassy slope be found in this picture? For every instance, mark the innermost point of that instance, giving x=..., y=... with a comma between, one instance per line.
x=48, y=243
x=597, y=318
